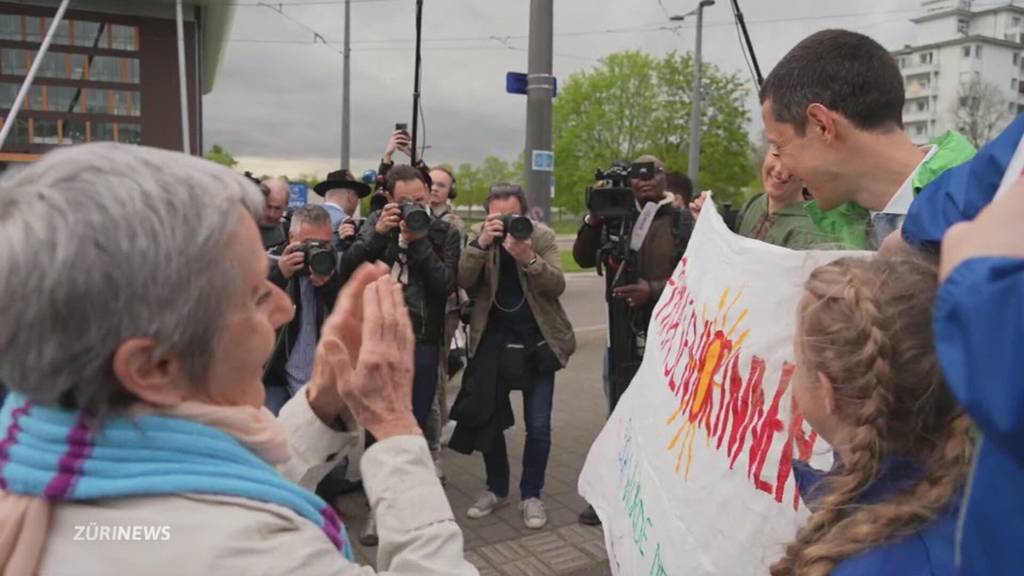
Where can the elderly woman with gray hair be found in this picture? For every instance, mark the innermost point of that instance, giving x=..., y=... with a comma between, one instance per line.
x=136, y=320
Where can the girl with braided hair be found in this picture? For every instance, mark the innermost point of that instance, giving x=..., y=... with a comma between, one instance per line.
x=869, y=382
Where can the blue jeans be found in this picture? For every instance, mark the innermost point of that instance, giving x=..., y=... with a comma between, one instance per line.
x=537, y=413
x=424, y=382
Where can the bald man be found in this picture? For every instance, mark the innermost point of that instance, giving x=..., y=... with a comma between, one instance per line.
x=275, y=200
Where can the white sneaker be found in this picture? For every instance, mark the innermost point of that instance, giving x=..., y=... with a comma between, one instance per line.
x=440, y=472
x=487, y=502
x=534, y=515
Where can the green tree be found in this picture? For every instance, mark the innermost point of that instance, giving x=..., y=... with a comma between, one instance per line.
x=633, y=103
x=220, y=156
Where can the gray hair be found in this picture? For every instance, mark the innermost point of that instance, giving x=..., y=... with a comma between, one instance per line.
x=101, y=243
x=310, y=214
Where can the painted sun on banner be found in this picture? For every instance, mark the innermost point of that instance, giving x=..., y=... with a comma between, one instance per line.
x=704, y=438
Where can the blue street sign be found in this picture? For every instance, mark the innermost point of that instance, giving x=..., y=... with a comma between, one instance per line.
x=298, y=195
x=516, y=83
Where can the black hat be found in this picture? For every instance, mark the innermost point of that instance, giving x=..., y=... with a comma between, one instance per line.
x=342, y=179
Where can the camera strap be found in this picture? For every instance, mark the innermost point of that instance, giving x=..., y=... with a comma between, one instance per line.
x=643, y=226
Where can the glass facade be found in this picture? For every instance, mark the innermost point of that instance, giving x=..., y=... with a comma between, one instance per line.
x=16, y=62
x=24, y=28
x=76, y=97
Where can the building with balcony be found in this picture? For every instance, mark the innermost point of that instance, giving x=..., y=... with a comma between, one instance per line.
x=111, y=72
x=958, y=44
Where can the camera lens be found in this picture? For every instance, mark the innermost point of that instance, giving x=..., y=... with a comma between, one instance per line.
x=520, y=227
x=415, y=217
x=322, y=261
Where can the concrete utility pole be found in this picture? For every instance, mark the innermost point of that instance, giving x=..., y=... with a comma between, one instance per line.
x=539, y=92
x=186, y=141
x=345, y=83
x=693, y=166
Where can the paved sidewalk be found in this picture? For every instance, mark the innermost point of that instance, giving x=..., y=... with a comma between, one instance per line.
x=500, y=545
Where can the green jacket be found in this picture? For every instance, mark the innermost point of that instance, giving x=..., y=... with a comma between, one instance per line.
x=789, y=227
x=849, y=222
x=543, y=283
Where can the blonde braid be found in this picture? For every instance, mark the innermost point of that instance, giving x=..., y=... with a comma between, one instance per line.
x=866, y=329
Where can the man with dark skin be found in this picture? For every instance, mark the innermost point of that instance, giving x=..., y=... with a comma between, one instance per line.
x=631, y=305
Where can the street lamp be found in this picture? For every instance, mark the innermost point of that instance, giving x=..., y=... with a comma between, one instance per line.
x=693, y=166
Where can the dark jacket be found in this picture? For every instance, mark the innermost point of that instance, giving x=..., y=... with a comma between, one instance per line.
x=288, y=334
x=433, y=268
x=482, y=409
x=662, y=249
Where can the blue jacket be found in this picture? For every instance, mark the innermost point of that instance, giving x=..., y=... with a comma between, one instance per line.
x=959, y=193
x=979, y=331
x=929, y=552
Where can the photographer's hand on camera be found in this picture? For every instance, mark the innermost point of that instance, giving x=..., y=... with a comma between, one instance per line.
x=409, y=235
x=493, y=228
x=521, y=250
x=399, y=142
x=389, y=219
x=636, y=295
x=347, y=230
x=292, y=260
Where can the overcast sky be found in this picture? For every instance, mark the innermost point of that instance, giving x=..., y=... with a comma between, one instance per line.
x=276, y=103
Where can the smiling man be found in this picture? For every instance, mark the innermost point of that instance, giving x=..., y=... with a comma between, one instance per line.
x=833, y=111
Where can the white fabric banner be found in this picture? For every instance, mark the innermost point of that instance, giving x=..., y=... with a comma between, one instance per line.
x=692, y=474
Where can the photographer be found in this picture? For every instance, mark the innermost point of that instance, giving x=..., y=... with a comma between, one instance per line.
x=306, y=270
x=341, y=193
x=519, y=337
x=634, y=279
x=423, y=253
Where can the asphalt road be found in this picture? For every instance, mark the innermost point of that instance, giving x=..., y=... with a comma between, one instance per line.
x=583, y=301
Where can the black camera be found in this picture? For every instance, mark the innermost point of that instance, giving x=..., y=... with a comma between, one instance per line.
x=520, y=227
x=416, y=218
x=320, y=257
x=643, y=170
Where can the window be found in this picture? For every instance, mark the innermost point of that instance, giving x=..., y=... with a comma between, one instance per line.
x=922, y=106
x=54, y=65
x=123, y=37
x=88, y=33
x=60, y=98
x=19, y=134
x=967, y=51
x=1015, y=21
x=96, y=101
x=34, y=30
x=919, y=130
x=1016, y=58
x=36, y=99
x=977, y=51
x=10, y=27
x=926, y=58
x=101, y=131
x=13, y=62
x=45, y=131
x=74, y=131
x=78, y=65
x=126, y=103
x=112, y=69
x=129, y=133
x=962, y=26
x=1013, y=84
x=63, y=33
x=8, y=92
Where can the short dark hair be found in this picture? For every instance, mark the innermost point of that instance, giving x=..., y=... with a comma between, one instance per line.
x=844, y=71
x=504, y=190
x=404, y=173
x=312, y=214
x=679, y=183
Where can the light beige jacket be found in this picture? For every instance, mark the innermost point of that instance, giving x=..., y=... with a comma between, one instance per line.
x=220, y=535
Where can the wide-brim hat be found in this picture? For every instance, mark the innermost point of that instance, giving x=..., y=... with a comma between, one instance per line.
x=342, y=179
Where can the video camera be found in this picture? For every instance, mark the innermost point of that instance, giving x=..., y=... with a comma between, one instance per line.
x=321, y=258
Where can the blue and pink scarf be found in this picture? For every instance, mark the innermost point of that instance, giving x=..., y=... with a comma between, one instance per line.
x=49, y=455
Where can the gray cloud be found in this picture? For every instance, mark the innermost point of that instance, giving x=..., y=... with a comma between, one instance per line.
x=277, y=100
